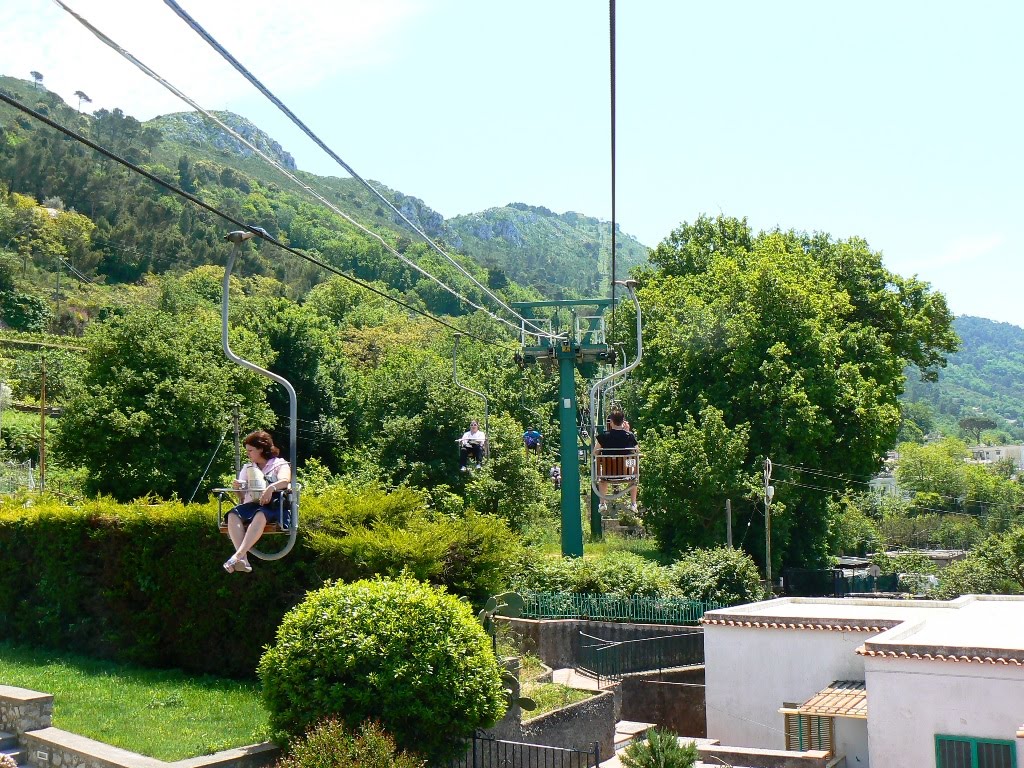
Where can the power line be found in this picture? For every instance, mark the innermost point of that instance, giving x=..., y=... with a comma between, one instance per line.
x=611, y=58
x=291, y=177
x=226, y=55
x=255, y=230
x=919, y=507
x=849, y=480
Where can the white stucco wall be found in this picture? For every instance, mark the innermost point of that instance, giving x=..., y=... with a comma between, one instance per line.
x=750, y=672
x=911, y=701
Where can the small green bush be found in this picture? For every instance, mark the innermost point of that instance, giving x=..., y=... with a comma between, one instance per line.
x=401, y=652
x=719, y=575
x=331, y=744
x=661, y=749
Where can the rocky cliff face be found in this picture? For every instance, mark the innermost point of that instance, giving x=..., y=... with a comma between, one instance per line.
x=192, y=128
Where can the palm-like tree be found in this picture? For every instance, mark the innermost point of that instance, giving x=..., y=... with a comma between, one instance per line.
x=82, y=97
x=38, y=78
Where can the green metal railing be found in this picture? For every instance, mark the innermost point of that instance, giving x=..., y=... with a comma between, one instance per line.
x=642, y=610
x=610, y=660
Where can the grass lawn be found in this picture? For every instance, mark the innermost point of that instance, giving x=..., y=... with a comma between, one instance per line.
x=545, y=537
x=551, y=696
x=163, y=714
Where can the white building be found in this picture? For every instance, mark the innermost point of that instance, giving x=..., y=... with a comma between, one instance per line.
x=885, y=683
x=989, y=454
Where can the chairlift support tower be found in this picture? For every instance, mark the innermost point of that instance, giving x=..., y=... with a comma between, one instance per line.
x=584, y=346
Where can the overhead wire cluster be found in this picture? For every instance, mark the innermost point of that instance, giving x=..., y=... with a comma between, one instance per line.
x=294, y=179
x=847, y=481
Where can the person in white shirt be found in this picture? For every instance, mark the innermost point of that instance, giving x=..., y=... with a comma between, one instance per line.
x=259, y=486
x=471, y=445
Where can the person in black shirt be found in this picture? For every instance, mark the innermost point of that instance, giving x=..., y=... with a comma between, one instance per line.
x=617, y=441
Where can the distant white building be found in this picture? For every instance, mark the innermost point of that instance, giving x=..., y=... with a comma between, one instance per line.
x=989, y=454
x=885, y=481
x=883, y=683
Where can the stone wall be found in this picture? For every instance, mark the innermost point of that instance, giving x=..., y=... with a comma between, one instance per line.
x=24, y=710
x=54, y=748
x=28, y=715
x=577, y=726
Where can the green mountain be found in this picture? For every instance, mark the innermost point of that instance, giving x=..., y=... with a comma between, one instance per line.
x=190, y=129
x=986, y=377
x=556, y=255
x=546, y=250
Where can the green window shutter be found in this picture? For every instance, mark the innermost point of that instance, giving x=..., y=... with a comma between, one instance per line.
x=804, y=732
x=965, y=752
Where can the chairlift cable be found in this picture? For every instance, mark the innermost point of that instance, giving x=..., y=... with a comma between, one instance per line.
x=919, y=507
x=850, y=480
x=266, y=158
x=611, y=40
x=209, y=463
x=227, y=217
x=227, y=56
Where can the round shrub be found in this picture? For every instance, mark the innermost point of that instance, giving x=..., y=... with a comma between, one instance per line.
x=332, y=745
x=718, y=575
x=401, y=652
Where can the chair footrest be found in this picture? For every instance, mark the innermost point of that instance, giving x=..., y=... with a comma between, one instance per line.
x=271, y=528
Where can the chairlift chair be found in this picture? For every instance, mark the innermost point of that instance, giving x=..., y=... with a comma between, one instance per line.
x=289, y=497
x=485, y=453
x=620, y=466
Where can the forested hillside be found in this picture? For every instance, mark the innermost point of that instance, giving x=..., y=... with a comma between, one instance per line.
x=985, y=377
x=551, y=252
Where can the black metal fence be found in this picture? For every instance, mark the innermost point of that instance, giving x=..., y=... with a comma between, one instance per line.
x=611, y=659
x=488, y=752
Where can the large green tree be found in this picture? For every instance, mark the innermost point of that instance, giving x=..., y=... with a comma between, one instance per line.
x=798, y=338
x=156, y=396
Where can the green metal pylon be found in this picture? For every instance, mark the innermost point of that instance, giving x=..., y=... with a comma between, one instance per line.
x=572, y=526
x=582, y=345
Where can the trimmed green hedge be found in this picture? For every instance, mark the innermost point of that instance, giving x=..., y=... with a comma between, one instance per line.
x=144, y=583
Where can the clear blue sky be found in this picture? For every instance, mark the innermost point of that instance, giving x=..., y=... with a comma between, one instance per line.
x=896, y=121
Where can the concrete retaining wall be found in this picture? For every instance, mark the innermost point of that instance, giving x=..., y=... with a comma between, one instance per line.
x=577, y=726
x=673, y=700
x=767, y=758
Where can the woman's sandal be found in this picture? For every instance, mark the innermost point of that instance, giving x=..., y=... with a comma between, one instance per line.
x=243, y=566
x=231, y=564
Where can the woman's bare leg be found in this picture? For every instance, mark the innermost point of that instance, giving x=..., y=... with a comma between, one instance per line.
x=236, y=530
x=252, y=535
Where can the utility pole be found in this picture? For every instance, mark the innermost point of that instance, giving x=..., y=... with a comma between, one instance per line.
x=42, y=425
x=238, y=447
x=56, y=293
x=769, y=494
x=728, y=523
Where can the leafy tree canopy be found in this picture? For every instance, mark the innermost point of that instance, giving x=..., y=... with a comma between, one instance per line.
x=798, y=338
x=155, y=402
